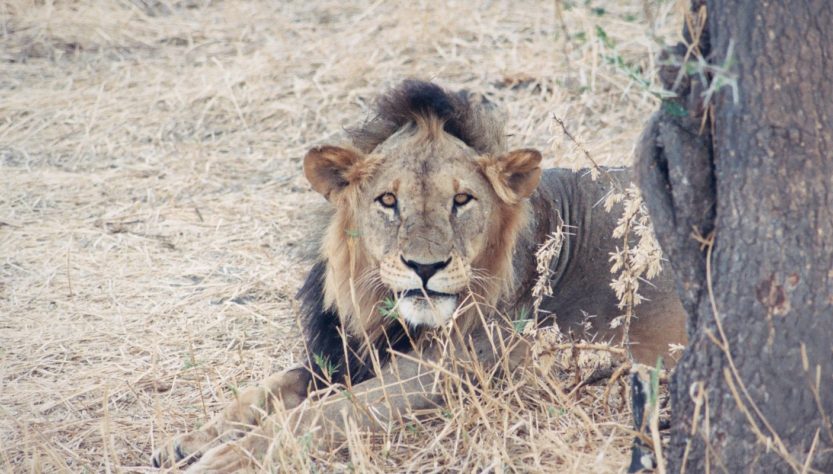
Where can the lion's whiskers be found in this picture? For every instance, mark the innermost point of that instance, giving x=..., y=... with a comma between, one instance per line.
x=370, y=279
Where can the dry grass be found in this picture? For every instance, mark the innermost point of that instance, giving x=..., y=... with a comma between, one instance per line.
x=153, y=212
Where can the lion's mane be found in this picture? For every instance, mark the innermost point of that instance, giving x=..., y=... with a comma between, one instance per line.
x=341, y=344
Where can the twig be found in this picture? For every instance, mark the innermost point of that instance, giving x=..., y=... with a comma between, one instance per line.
x=599, y=169
x=613, y=379
x=590, y=347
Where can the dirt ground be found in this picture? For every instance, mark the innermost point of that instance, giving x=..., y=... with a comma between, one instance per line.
x=153, y=212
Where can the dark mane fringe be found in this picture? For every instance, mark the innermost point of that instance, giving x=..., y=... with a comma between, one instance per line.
x=469, y=117
x=324, y=337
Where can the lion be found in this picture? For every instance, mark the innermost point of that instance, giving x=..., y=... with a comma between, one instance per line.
x=434, y=224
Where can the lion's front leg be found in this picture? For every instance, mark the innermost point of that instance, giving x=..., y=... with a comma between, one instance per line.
x=404, y=386
x=235, y=456
x=288, y=388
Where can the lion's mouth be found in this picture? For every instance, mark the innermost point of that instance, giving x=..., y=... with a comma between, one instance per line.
x=418, y=292
x=434, y=311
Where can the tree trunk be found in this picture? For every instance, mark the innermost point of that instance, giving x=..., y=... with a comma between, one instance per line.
x=742, y=203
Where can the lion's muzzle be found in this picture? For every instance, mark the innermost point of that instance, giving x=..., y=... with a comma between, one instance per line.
x=425, y=270
x=432, y=311
x=426, y=293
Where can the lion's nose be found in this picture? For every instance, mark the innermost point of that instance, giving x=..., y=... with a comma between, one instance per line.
x=425, y=270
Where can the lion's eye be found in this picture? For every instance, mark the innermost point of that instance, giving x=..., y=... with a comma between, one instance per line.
x=461, y=199
x=387, y=200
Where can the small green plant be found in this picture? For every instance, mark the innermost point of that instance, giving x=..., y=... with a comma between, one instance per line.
x=612, y=57
x=306, y=442
x=674, y=108
x=521, y=319
x=714, y=75
x=556, y=412
x=654, y=395
x=189, y=362
x=327, y=367
x=388, y=308
x=606, y=40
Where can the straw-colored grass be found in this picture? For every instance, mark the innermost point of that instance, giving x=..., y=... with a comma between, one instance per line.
x=153, y=211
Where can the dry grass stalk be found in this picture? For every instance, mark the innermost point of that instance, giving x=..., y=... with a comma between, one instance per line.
x=550, y=249
x=634, y=263
x=153, y=215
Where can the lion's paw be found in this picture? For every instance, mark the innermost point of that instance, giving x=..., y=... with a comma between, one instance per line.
x=225, y=458
x=183, y=449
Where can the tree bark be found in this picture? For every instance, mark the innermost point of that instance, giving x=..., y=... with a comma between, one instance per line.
x=742, y=204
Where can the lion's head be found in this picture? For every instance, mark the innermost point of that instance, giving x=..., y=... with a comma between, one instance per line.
x=428, y=205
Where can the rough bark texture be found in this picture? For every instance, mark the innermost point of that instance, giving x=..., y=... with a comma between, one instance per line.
x=758, y=178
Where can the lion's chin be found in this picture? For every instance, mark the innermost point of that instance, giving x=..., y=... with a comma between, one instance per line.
x=418, y=311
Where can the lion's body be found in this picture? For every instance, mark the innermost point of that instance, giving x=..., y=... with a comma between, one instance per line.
x=580, y=280
x=580, y=275
x=436, y=225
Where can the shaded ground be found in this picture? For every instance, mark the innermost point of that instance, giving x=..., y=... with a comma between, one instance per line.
x=152, y=207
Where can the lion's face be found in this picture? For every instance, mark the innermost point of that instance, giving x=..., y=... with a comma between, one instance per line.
x=425, y=220
x=429, y=215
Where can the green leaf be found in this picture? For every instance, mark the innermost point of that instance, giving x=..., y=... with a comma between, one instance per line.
x=306, y=442
x=654, y=395
x=557, y=412
x=323, y=363
x=522, y=318
x=520, y=324
x=388, y=309
x=692, y=67
x=674, y=108
x=189, y=363
x=602, y=35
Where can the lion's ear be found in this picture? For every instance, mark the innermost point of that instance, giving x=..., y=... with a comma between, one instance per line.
x=328, y=168
x=515, y=175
